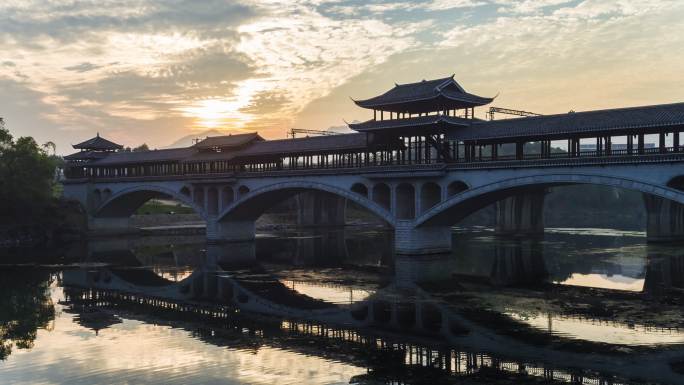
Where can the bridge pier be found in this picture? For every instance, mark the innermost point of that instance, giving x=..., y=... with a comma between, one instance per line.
x=231, y=254
x=409, y=240
x=318, y=208
x=664, y=220
x=230, y=230
x=521, y=214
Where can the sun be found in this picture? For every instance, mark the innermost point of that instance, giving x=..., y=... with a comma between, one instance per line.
x=225, y=111
x=212, y=113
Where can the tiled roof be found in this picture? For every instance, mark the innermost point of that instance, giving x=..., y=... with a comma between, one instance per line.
x=86, y=155
x=226, y=141
x=618, y=119
x=284, y=147
x=306, y=145
x=97, y=143
x=128, y=157
x=427, y=95
x=420, y=121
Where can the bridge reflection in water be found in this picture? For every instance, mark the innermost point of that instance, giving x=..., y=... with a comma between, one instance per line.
x=493, y=306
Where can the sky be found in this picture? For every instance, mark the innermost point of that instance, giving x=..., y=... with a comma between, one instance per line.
x=152, y=71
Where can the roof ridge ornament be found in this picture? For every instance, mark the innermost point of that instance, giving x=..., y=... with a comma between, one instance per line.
x=449, y=80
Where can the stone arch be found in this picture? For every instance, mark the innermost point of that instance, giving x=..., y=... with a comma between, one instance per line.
x=360, y=189
x=242, y=191
x=382, y=195
x=125, y=202
x=256, y=202
x=382, y=312
x=212, y=201
x=676, y=183
x=430, y=195
x=97, y=198
x=227, y=196
x=431, y=317
x=198, y=196
x=406, y=315
x=456, y=187
x=106, y=194
x=406, y=201
x=461, y=205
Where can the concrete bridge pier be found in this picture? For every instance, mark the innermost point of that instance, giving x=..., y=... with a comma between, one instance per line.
x=236, y=254
x=109, y=225
x=230, y=230
x=665, y=219
x=521, y=214
x=410, y=240
x=319, y=208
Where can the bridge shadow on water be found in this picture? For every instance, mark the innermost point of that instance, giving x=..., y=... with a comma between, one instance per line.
x=575, y=306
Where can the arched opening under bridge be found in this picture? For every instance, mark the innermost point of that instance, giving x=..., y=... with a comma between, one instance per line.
x=317, y=203
x=548, y=202
x=149, y=206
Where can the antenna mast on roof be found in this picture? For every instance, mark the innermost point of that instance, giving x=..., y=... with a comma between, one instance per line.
x=508, y=111
x=294, y=131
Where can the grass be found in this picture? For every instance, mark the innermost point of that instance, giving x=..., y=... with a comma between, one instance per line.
x=163, y=207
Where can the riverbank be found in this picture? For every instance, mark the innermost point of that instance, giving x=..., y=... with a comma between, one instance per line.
x=61, y=221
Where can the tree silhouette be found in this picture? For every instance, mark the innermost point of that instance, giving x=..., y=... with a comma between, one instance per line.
x=25, y=307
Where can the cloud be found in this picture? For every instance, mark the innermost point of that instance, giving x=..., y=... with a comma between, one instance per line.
x=380, y=8
x=442, y=5
x=142, y=70
x=83, y=67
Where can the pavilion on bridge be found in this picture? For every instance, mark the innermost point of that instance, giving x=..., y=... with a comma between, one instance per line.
x=92, y=149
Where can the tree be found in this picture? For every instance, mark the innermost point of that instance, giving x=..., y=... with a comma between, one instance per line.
x=26, y=307
x=5, y=136
x=142, y=147
x=26, y=177
x=49, y=145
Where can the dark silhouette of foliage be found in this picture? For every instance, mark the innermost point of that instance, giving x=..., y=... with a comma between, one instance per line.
x=142, y=147
x=26, y=176
x=25, y=307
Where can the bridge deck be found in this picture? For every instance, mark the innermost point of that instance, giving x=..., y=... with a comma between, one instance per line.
x=395, y=164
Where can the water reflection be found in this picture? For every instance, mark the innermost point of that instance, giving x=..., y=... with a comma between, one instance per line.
x=25, y=307
x=342, y=307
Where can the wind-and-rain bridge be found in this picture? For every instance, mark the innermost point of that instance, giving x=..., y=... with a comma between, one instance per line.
x=421, y=164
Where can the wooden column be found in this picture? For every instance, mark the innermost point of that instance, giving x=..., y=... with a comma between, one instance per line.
x=675, y=141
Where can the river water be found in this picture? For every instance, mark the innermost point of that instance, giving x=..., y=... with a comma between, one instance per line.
x=591, y=306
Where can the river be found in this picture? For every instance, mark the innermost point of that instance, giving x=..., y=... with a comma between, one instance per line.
x=591, y=306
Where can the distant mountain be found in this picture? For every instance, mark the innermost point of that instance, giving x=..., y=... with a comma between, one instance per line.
x=187, y=140
x=344, y=129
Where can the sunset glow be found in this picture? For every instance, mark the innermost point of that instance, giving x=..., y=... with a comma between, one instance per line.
x=147, y=71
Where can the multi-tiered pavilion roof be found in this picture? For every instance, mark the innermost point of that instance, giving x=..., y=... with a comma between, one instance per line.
x=93, y=149
x=424, y=97
x=432, y=106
